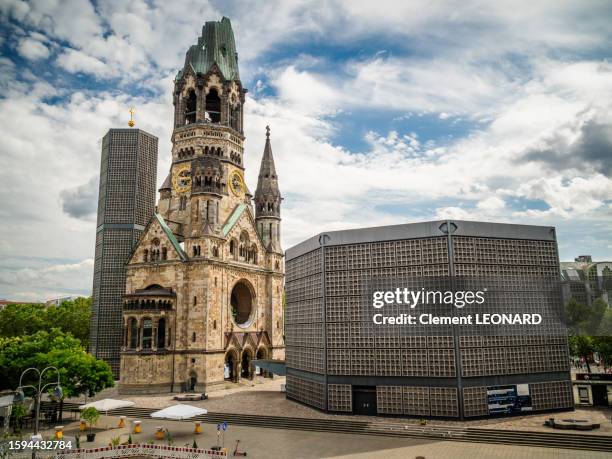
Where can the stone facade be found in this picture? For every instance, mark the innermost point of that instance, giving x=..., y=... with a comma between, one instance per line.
x=204, y=284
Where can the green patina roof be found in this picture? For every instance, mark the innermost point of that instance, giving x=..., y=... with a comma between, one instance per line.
x=231, y=221
x=171, y=236
x=215, y=46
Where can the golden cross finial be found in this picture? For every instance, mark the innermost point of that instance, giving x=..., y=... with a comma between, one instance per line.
x=131, y=121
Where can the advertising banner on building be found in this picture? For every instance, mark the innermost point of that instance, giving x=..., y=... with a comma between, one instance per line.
x=509, y=399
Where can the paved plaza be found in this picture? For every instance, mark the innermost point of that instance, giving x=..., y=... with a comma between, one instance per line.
x=263, y=443
x=264, y=397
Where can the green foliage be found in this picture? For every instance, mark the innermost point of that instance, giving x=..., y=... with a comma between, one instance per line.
x=590, y=329
x=129, y=440
x=581, y=346
x=605, y=325
x=91, y=416
x=597, y=313
x=577, y=316
x=194, y=445
x=27, y=319
x=80, y=372
x=18, y=411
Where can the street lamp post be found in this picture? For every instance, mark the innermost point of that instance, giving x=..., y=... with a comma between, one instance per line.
x=20, y=396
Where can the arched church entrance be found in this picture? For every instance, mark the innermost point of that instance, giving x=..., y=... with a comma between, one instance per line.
x=193, y=381
x=230, y=369
x=246, y=371
x=262, y=354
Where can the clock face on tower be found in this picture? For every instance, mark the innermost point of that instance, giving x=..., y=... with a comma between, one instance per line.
x=236, y=183
x=181, y=179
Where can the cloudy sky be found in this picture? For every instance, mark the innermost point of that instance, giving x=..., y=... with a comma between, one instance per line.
x=381, y=112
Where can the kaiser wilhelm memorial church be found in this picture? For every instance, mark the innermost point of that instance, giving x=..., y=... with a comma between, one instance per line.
x=204, y=282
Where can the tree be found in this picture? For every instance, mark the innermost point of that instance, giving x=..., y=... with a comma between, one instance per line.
x=602, y=343
x=605, y=326
x=80, y=372
x=22, y=319
x=17, y=414
x=72, y=317
x=576, y=316
x=91, y=416
x=27, y=319
x=581, y=346
x=597, y=312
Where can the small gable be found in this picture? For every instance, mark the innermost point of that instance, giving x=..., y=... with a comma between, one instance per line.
x=157, y=244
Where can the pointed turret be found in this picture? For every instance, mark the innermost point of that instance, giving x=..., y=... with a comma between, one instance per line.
x=268, y=200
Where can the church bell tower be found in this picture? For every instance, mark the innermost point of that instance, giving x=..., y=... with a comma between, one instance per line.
x=206, y=179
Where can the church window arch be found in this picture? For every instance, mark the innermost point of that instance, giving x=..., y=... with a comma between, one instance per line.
x=190, y=107
x=164, y=253
x=133, y=333
x=161, y=333
x=147, y=333
x=145, y=256
x=213, y=105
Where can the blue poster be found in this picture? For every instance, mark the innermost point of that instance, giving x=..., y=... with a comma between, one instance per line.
x=509, y=399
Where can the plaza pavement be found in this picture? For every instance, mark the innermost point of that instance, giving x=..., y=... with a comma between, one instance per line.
x=263, y=397
x=263, y=443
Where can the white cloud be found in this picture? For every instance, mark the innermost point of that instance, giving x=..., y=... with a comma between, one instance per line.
x=492, y=203
x=49, y=281
x=517, y=72
x=33, y=49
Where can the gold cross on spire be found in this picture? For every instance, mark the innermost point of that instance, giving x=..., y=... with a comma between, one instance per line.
x=131, y=121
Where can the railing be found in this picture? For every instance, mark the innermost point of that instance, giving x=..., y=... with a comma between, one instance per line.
x=136, y=450
x=147, y=307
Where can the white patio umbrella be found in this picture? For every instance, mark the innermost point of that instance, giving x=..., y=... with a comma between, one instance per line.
x=107, y=404
x=179, y=412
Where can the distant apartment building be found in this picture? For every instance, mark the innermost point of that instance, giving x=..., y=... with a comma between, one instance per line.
x=4, y=303
x=586, y=280
x=126, y=202
x=60, y=300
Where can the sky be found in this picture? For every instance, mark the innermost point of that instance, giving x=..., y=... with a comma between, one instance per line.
x=380, y=112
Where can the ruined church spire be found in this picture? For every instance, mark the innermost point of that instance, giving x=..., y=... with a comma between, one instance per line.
x=268, y=198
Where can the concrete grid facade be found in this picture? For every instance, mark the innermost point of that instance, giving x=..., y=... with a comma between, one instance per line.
x=333, y=354
x=126, y=201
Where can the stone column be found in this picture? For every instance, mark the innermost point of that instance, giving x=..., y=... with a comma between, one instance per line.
x=176, y=103
x=224, y=107
x=139, y=334
x=154, y=325
x=200, y=103
x=181, y=111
